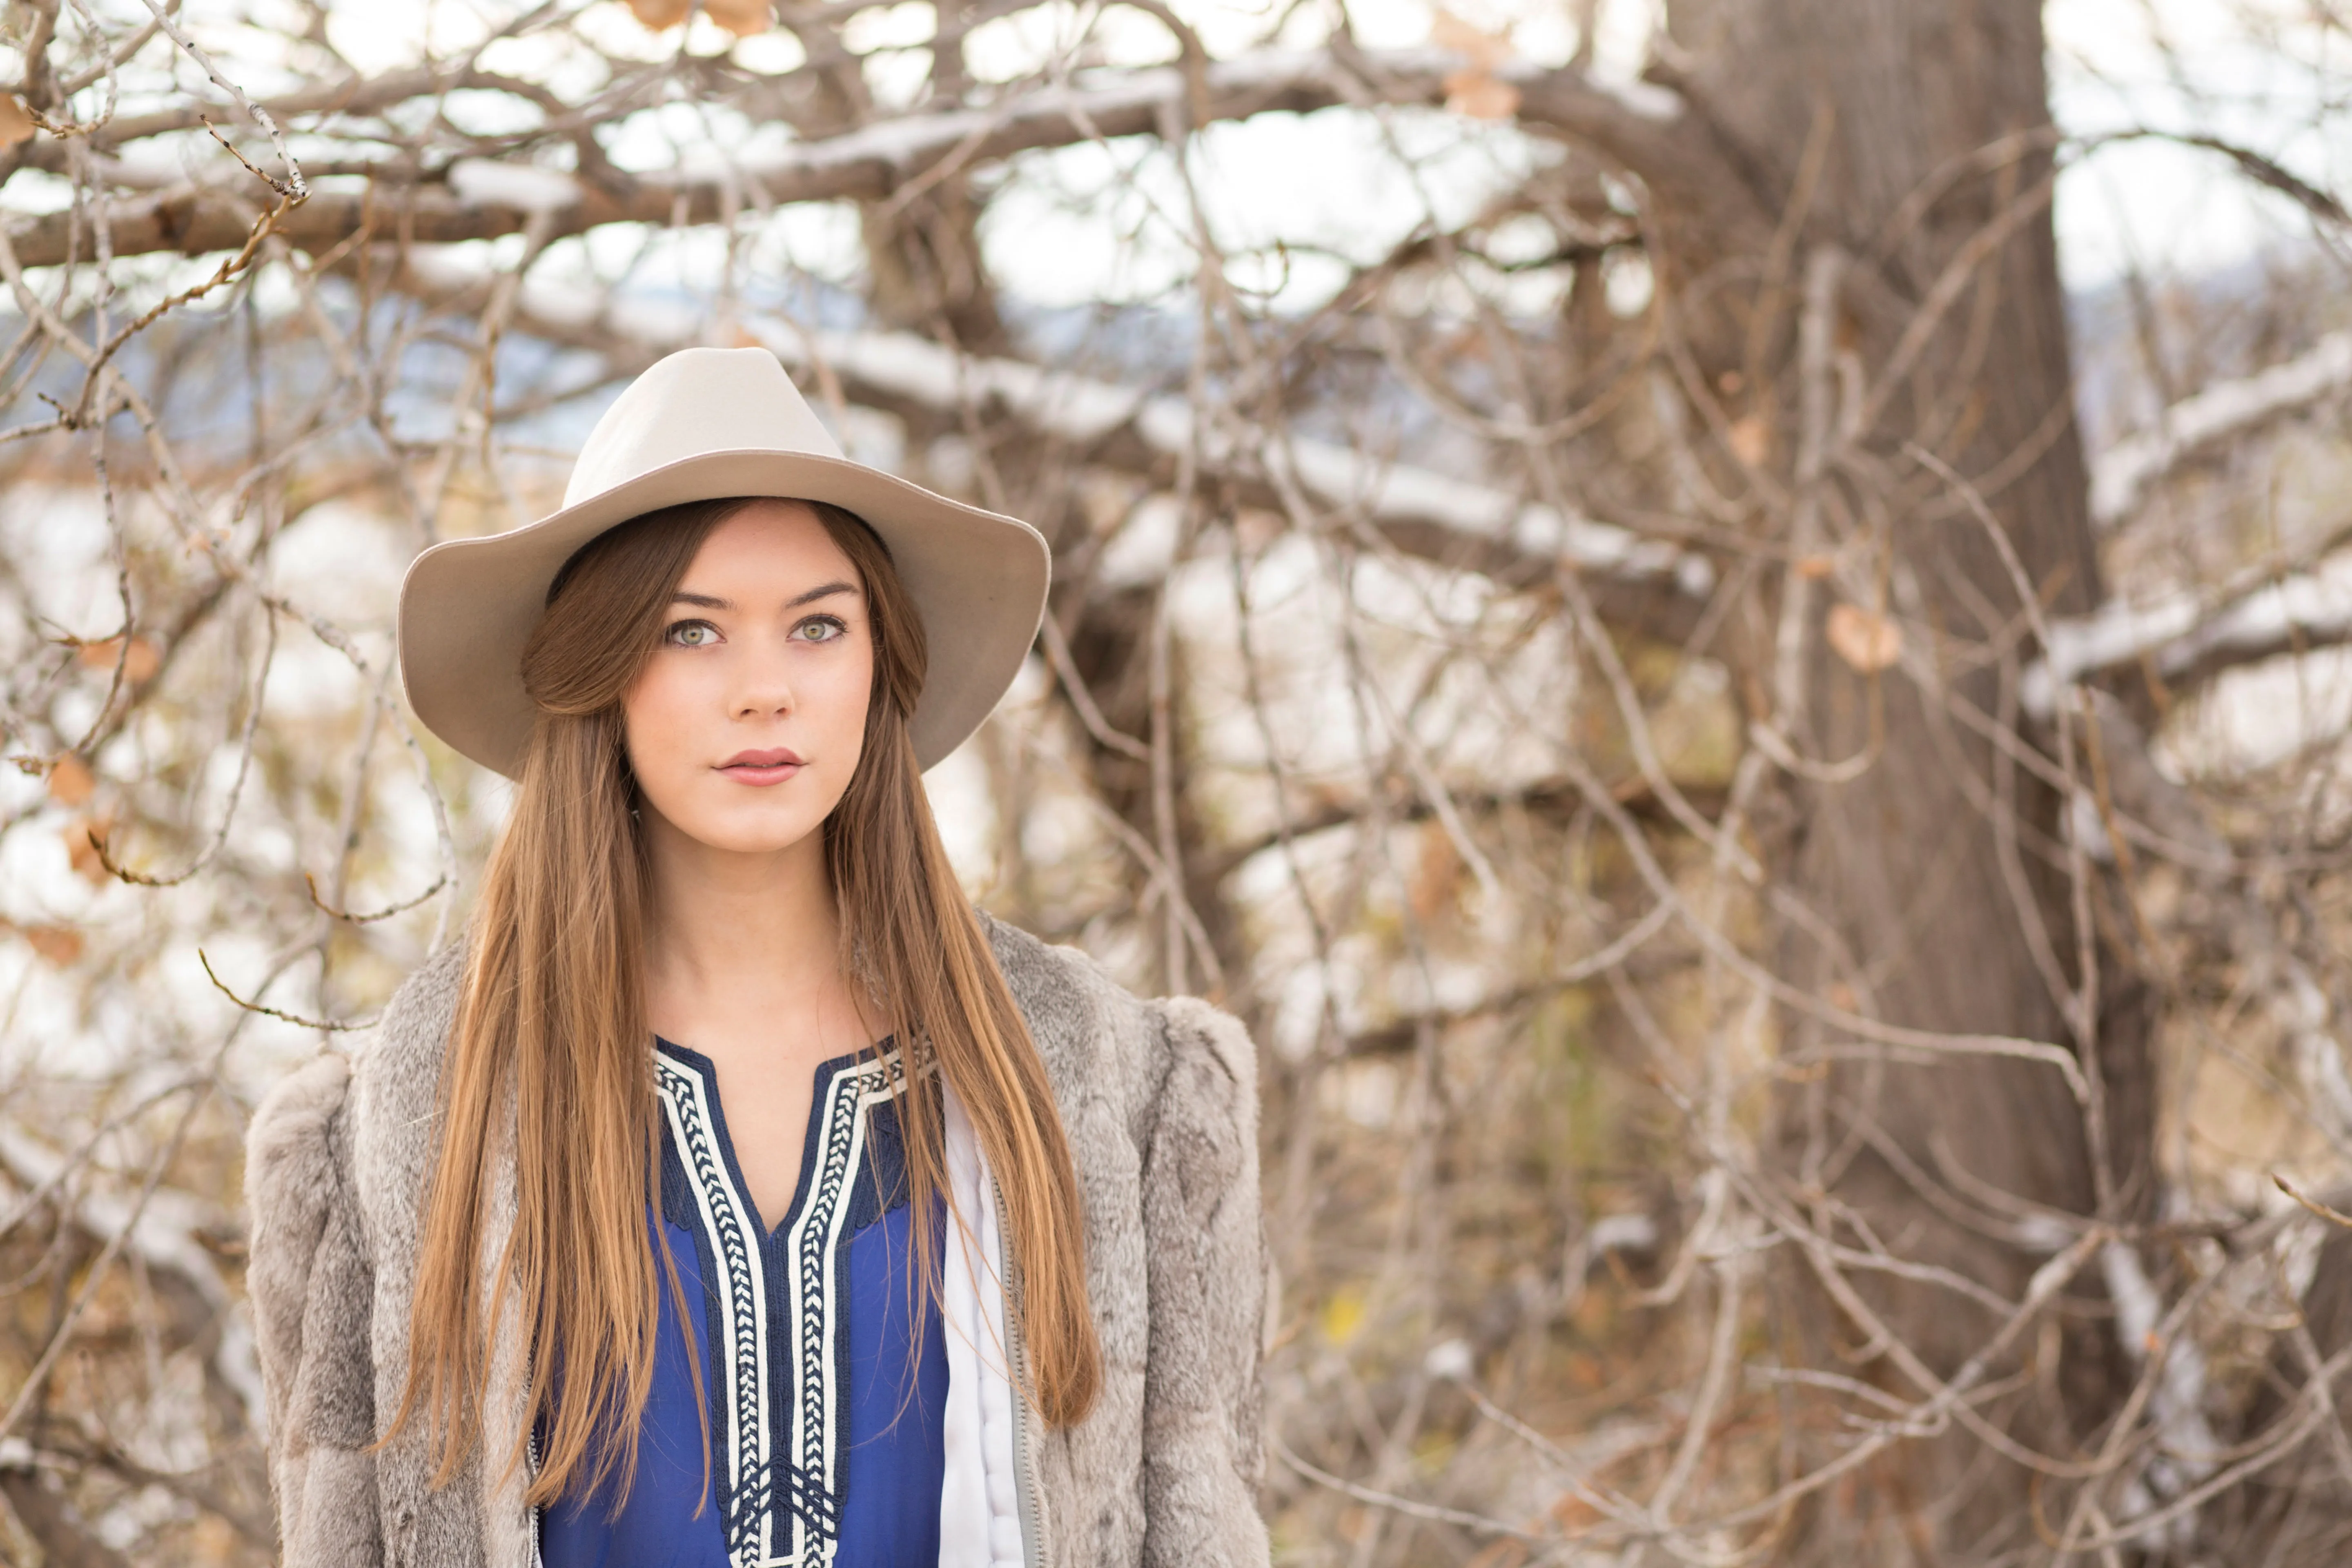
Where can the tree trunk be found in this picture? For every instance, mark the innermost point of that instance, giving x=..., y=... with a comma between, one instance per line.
x=1940, y=871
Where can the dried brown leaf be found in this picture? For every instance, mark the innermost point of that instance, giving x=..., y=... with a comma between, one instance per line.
x=740, y=17
x=87, y=862
x=1751, y=439
x=70, y=780
x=61, y=946
x=1865, y=638
x=660, y=15
x=1480, y=96
x=15, y=123
x=141, y=662
x=1485, y=51
x=1438, y=883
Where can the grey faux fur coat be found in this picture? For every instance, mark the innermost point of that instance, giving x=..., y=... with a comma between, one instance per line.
x=1160, y=1100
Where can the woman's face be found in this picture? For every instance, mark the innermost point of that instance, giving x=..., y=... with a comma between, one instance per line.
x=747, y=724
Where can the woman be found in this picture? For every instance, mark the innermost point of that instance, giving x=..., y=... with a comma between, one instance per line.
x=734, y=1192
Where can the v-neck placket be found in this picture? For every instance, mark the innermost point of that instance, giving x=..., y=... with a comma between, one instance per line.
x=777, y=1343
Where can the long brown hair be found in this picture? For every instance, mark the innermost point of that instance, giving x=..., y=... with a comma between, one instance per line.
x=551, y=1056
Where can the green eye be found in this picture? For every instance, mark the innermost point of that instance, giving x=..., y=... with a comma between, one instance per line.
x=691, y=634
x=821, y=629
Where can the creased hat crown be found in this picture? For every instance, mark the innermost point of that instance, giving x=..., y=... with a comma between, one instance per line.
x=691, y=402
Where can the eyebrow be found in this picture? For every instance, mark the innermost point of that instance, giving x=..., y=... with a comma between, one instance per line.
x=712, y=602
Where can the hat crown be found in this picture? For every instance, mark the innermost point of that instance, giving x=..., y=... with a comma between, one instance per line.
x=693, y=403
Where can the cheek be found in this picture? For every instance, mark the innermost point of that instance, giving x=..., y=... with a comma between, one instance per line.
x=848, y=691
x=653, y=719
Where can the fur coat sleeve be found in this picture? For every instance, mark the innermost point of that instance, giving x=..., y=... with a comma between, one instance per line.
x=1203, y=1410
x=1160, y=1102
x=309, y=1280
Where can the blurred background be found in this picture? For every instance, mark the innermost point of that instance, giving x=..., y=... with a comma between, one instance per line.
x=1720, y=620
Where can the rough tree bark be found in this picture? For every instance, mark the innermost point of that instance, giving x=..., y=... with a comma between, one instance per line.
x=1908, y=137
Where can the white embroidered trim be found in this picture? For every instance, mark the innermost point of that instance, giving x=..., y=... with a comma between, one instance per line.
x=780, y=1510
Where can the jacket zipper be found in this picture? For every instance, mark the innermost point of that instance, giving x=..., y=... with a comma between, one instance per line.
x=1024, y=1476
x=530, y=1459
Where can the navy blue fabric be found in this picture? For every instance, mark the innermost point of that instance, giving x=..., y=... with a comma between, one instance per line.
x=657, y=1527
x=895, y=1458
x=892, y=1399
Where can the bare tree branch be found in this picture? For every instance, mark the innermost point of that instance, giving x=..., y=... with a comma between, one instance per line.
x=870, y=163
x=2204, y=423
x=2184, y=640
x=1429, y=515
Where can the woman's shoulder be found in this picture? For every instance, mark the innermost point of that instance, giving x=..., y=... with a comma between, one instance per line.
x=383, y=1062
x=402, y=1055
x=382, y=1091
x=1061, y=990
x=1089, y=1027
x=291, y=1153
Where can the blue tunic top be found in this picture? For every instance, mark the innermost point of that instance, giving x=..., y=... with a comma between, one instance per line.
x=826, y=1377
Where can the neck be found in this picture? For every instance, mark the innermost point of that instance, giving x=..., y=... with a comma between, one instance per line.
x=721, y=921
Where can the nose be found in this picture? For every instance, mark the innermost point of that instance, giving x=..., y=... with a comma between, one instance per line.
x=763, y=687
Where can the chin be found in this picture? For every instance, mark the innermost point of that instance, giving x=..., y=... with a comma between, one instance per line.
x=750, y=833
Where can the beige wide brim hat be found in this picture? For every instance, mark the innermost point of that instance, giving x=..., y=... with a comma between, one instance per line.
x=703, y=424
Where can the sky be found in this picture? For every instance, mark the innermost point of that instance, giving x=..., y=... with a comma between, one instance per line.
x=2162, y=206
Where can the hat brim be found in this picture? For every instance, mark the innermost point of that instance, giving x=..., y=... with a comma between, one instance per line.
x=468, y=607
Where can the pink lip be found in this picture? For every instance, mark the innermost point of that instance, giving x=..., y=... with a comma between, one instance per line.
x=762, y=767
